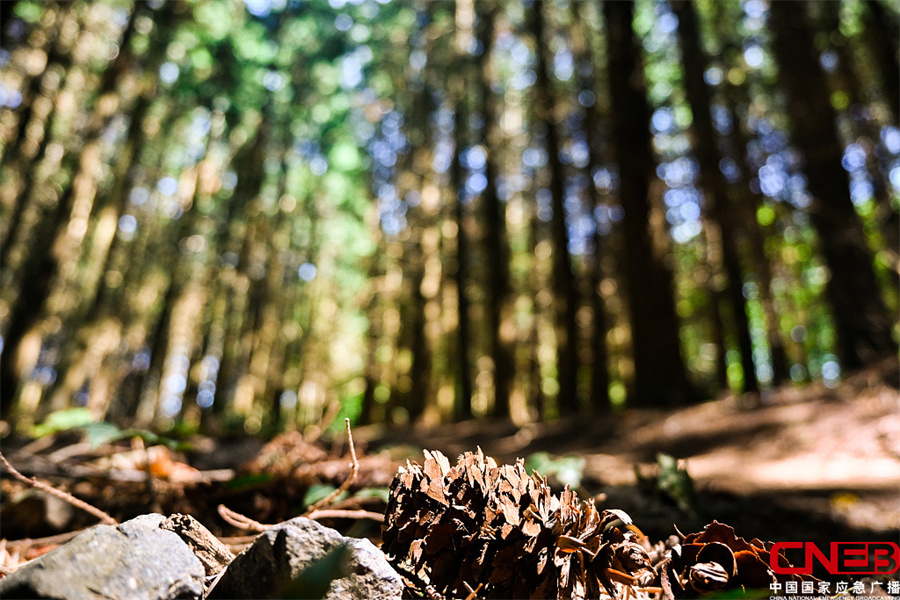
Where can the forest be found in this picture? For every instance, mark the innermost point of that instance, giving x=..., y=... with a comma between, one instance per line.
x=271, y=214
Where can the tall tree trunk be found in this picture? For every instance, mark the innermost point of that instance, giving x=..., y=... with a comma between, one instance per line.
x=659, y=371
x=248, y=163
x=713, y=181
x=598, y=393
x=866, y=126
x=863, y=323
x=463, y=404
x=496, y=239
x=566, y=290
x=746, y=205
x=375, y=314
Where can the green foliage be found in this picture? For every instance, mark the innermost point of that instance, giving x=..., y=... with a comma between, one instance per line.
x=569, y=470
x=98, y=433
x=318, y=491
x=673, y=481
x=382, y=494
x=63, y=420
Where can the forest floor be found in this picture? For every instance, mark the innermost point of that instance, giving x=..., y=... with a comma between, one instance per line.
x=801, y=464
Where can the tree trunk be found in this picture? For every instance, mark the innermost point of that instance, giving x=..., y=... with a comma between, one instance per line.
x=866, y=127
x=713, y=181
x=863, y=323
x=598, y=393
x=496, y=242
x=463, y=403
x=659, y=372
x=566, y=290
x=746, y=205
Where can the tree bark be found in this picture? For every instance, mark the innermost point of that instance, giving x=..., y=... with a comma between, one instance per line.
x=713, y=181
x=598, y=393
x=496, y=239
x=463, y=403
x=566, y=290
x=659, y=372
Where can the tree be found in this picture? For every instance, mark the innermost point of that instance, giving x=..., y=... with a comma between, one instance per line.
x=713, y=181
x=862, y=321
x=599, y=383
x=659, y=372
x=565, y=303
x=496, y=240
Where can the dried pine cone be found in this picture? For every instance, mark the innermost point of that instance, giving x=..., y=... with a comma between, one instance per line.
x=716, y=559
x=494, y=530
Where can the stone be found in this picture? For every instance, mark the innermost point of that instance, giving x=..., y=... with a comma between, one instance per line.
x=135, y=560
x=301, y=558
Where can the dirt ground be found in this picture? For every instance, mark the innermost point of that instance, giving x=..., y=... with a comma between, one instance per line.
x=800, y=463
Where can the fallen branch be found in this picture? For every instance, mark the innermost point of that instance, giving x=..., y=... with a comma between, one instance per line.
x=26, y=543
x=31, y=481
x=240, y=521
x=354, y=470
x=314, y=511
x=214, y=555
x=337, y=513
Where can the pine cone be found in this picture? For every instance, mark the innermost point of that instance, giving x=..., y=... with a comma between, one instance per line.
x=498, y=532
x=715, y=560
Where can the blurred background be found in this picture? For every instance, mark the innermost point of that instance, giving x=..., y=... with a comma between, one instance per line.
x=226, y=216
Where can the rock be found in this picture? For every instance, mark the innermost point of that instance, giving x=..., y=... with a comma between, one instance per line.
x=131, y=561
x=278, y=565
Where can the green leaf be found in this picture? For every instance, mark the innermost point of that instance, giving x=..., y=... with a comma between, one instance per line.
x=317, y=491
x=63, y=420
x=103, y=433
x=675, y=482
x=569, y=470
x=380, y=493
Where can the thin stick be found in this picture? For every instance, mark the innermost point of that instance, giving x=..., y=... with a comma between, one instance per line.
x=354, y=470
x=240, y=521
x=345, y=514
x=46, y=541
x=104, y=517
x=473, y=594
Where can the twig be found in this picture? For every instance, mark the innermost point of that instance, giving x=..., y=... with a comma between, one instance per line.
x=216, y=578
x=473, y=594
x=240, y=521
x=345, y=514
x=25, y=543
x=104, y=517
x=354, y=470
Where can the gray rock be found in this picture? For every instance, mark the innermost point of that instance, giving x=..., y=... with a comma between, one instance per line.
x=302, y=559
x=131, y=561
